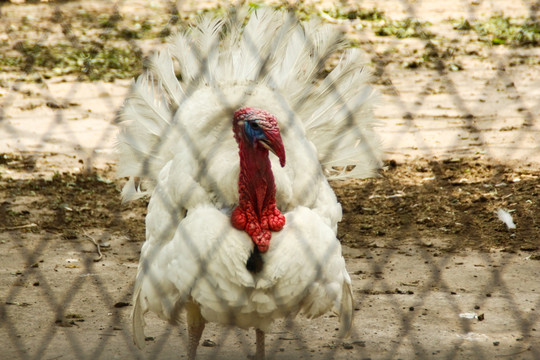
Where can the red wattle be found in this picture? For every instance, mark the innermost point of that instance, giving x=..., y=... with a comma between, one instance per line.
x=276, y=220
x=238, y=219
x=256, y=213
x=257, y=229
x=262, y=240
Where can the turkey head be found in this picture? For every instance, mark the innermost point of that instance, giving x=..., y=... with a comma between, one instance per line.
x=257, y=132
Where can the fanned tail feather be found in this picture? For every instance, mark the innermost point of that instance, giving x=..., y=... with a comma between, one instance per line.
x=161, y=65
x=272, y=50
x=346, y=311
x=138, y=321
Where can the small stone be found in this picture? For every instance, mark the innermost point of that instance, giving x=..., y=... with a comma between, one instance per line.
x=208, y=343
x=427, y=243
x=348, y=346
x=121, y=304
x=496, y=343
x=411, y=308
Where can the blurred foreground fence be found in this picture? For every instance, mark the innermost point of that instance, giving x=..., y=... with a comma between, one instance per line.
x=435, y=273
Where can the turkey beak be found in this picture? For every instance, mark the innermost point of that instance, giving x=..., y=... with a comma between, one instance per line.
x=274, y=144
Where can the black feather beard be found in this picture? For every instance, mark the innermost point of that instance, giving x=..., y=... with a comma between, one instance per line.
x=255, y=262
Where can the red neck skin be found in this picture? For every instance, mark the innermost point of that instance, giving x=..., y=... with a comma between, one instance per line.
x=256, y=212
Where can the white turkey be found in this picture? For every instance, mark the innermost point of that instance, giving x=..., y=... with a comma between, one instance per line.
x=235, y=235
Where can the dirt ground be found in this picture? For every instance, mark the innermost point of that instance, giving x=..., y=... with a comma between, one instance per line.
x=435, y=273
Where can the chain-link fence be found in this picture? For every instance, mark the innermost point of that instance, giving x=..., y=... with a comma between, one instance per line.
x=435, y=272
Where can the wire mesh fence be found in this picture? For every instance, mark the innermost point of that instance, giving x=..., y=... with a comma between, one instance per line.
x=435, y=272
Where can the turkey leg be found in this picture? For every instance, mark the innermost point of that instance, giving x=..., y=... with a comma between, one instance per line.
x=259, y=352
x=195, y=324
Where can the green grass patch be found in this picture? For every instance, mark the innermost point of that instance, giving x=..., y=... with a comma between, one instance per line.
x=356, y=14
x=114, y=26
x=501, y=30
x=377, y=20
x=90, y=61
x=401, y=29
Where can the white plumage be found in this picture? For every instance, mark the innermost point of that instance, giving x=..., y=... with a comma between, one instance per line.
x=176, y=135
x=506, y=218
